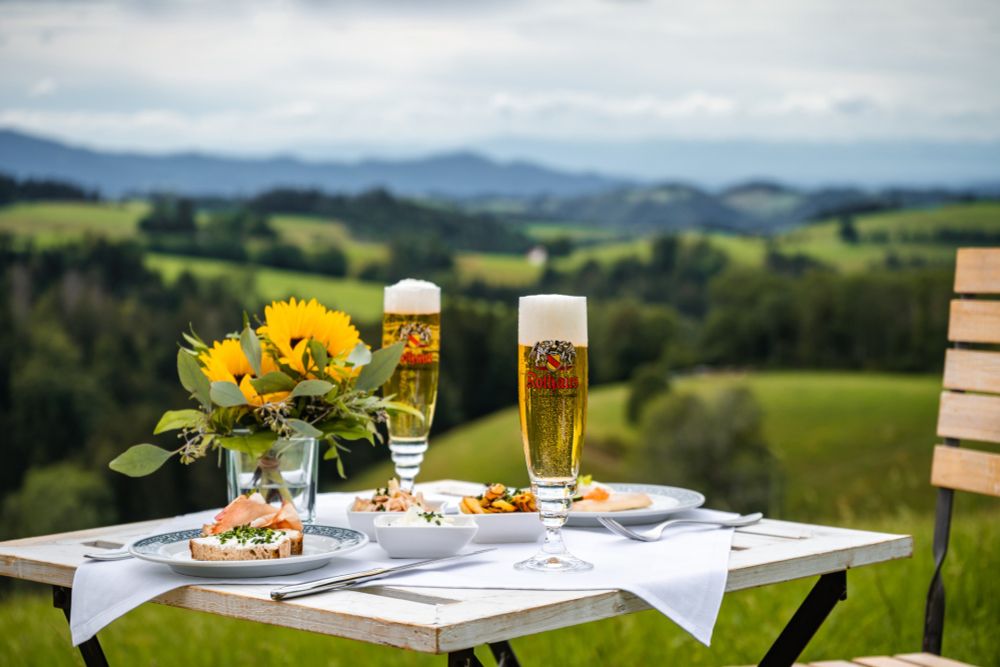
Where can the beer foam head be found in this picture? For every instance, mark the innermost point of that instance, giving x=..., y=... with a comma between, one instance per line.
x=412, y=297
x=552, y=317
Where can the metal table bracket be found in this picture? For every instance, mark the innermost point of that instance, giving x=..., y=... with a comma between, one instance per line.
x=830, y=589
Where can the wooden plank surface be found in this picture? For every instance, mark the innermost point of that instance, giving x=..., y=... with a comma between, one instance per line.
x=966, y=470
x=972, y=370
x=974, y=321
x=443, y=620
x=977, y=271
x=969, y=416
x=931, y=660
x=881, y=661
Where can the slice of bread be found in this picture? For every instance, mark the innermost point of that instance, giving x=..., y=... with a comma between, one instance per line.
x=295, y=537
x=212, y=548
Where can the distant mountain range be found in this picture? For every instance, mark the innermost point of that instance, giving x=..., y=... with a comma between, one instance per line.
x=454, y=175
x=517, y=189
x=752, y=207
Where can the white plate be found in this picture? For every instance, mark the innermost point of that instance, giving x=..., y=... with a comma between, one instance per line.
x=423, y=541
x=507, y=527
x=666, y=501
x=320, y=545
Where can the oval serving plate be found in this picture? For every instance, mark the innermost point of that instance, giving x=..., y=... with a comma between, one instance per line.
x=320, y=545
x=667, y=500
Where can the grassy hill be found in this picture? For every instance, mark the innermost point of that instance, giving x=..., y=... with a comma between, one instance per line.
x=851, y=444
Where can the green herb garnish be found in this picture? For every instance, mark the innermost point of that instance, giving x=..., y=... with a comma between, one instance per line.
x=431, y=517
x=244, y=535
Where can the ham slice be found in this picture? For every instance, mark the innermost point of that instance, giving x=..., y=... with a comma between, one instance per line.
x=255, y=512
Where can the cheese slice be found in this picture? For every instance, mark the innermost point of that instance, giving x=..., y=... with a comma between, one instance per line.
x=618, y=502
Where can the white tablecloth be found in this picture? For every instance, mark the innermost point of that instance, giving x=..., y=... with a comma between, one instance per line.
x=683, y=575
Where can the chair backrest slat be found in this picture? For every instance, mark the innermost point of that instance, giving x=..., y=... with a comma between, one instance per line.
x=972, y=370
x=974, y=321
x=977, y=271
x=969, y=417
x=966, y=470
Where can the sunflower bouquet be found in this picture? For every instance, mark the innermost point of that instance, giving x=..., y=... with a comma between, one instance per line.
x=304, y=372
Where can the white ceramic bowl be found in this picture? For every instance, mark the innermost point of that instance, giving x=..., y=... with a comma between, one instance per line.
x=507, y=527
x=423, y=541
x=364, y=522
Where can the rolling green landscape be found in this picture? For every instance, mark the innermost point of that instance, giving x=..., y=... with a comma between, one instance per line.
x=907, y=234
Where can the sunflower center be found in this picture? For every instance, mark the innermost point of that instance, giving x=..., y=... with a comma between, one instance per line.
x=239, y=377
x=295, y=341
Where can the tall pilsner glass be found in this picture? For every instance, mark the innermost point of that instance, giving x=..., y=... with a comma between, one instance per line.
x=552, y=396
x=413, y=316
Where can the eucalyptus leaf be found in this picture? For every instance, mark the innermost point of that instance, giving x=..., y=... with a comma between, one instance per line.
x=319, y=354
x=193, y=379
x=396, y=407
x=254, y=445
x=311, y=388
x=175, y=419
x=227, y=395
x=251, y=348
x=273, y=382
x=380, y=369
x=350, y=432
x=304, y=428
x=360, y=355
x=140, y=460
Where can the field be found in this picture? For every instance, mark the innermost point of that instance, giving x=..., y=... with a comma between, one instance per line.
x=863, y=440
x=363, y=300
x=907, y=234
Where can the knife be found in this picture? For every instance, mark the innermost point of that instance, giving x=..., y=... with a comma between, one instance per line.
x=355, y=578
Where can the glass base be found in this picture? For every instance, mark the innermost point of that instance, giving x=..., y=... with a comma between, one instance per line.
x=543, y=562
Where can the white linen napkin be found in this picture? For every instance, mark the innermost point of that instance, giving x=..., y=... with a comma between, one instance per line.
x=683, y=575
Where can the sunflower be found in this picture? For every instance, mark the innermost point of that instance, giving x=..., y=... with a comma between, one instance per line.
x=289, y=325
x=225, y=362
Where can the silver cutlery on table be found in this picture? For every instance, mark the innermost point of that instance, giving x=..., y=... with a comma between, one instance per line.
x=654, y=534
x=355, y=578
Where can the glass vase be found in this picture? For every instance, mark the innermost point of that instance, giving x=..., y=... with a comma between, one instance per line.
x=288, y=471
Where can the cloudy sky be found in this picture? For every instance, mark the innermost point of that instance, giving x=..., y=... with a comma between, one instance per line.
x=346, y=79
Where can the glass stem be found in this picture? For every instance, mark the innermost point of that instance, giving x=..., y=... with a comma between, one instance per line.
x=408, y=455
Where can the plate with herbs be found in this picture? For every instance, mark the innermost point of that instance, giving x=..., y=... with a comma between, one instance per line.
x=320, y=545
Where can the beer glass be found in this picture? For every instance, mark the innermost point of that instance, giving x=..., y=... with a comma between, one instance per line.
x=552, y=398
x=412, y=315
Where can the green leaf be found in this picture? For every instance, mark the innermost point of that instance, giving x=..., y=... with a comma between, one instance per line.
x=319, y=354
x=311, y=388
x=304, y=428
x=360, y=355
x=140, y=460
x=396, y=407
x=227, y=394
x=273, y=382
x=380, y=369
x=193, y=379
x=251, y=348
x=350, y=431
x=175, y=419
x=254, y=445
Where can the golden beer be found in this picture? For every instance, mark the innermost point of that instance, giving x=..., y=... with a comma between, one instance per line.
x=552, y=396
x=415, y=381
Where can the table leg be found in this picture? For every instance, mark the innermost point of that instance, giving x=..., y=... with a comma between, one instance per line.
x=502, y=651
x=824, y=596
x=93, y=655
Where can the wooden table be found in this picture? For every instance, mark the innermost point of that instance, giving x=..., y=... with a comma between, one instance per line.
x=453, y=620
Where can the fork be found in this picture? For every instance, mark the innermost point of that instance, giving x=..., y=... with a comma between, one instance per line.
x=657, y=531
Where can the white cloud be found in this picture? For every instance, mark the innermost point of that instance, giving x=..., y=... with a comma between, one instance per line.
x=267, y=77
x=42, y=87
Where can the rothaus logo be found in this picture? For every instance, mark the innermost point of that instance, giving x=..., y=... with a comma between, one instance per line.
x=551, y=365
x=418, y=337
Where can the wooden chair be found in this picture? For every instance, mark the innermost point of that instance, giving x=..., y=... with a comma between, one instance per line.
x=969, y=410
